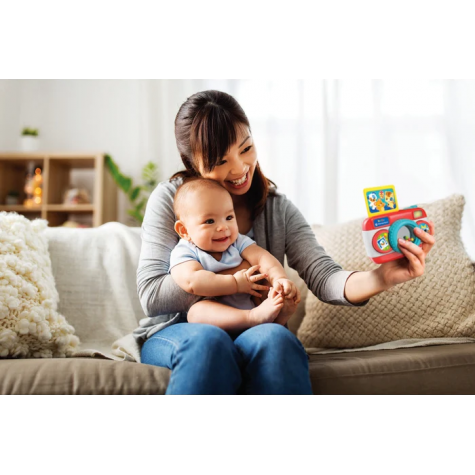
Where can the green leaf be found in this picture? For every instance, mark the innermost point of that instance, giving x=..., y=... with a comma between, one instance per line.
x=28, y=131
x=124, y=182
x=135, y=214
x=134, y=193
x=141, y=204
x=150, y=175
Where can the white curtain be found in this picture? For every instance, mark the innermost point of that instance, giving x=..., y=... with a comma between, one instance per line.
x=324, y=141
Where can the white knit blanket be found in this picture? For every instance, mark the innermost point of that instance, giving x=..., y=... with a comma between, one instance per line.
x=95, y=274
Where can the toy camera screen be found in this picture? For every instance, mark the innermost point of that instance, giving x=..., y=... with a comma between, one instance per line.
x=382, y=200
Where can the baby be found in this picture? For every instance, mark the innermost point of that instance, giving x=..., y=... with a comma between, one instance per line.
x=210, y=243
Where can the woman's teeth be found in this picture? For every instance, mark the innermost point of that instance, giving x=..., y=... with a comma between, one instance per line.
x=239, y=182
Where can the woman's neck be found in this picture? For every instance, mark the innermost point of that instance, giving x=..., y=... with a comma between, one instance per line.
x=239, y=201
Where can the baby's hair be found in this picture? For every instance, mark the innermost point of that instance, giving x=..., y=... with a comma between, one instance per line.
x=188, y=187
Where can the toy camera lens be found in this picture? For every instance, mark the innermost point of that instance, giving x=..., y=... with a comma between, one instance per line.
x=404, y=233
x=402, y=229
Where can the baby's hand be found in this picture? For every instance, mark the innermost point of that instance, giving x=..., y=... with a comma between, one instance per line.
x=245, y=281
x=288, y=289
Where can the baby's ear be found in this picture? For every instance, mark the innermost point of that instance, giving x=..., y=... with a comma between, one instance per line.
x=181, y=230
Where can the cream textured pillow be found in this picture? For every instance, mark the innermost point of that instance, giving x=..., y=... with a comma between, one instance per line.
x=441, y=303
x=30, y=326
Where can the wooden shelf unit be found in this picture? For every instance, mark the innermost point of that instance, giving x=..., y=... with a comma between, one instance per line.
x=56, y=172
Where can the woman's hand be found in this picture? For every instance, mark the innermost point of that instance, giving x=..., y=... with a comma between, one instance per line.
x=403, y=270
x=246, y=282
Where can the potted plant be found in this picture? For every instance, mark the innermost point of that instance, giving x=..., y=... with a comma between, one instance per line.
x=29, y=140
x=137, y=194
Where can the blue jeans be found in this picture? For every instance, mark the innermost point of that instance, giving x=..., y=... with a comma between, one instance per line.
x=204, y=359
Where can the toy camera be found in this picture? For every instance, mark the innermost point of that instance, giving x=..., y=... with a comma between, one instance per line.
x=381, y=233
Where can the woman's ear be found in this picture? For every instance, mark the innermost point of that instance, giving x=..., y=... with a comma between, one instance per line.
x=181, y=230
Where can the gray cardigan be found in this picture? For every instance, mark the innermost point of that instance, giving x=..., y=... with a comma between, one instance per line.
x=280, y=229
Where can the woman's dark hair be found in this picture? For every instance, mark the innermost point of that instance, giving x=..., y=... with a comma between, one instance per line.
x=207, y=124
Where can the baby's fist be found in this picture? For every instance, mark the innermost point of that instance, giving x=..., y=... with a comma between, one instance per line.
x=288, y=289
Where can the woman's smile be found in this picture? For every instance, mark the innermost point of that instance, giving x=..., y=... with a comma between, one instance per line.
x=240, y=182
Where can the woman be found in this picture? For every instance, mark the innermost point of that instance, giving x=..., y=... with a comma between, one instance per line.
x=214, y=140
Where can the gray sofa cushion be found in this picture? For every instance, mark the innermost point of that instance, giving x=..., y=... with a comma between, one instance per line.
x=447, y=369
x=80, y=376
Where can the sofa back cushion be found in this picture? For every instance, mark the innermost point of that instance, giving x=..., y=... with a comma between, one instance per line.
x=441, y=303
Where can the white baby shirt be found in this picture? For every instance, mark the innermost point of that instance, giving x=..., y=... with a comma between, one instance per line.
x=231, y=257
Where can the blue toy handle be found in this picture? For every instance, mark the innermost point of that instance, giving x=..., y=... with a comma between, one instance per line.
x=395, y=228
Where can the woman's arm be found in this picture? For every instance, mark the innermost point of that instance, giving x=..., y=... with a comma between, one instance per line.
x=158, y=292
x=324, y=277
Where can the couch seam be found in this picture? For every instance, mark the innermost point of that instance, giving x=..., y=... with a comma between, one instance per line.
x=396, y=372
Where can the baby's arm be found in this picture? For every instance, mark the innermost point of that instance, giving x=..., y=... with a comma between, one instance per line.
x=192, y=278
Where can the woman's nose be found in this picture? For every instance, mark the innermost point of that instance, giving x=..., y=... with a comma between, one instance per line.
x=238, y=166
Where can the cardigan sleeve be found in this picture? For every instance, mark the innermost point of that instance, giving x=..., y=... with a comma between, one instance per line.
x=158, y=292
x=324, y=277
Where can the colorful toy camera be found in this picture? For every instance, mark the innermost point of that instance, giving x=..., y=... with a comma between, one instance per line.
x=382, y=231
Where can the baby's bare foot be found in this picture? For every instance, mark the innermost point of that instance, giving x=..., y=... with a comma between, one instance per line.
x=268, y=310
x=288, y=309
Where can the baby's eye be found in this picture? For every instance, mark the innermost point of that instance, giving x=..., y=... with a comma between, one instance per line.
x=209, y=221
x=230, y=217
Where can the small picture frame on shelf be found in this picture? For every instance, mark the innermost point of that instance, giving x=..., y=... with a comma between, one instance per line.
x=76, y=196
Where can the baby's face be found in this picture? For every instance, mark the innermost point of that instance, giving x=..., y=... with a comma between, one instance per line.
x=210, y=220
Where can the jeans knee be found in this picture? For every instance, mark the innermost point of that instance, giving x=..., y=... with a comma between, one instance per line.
x=209, y=342
x=277, y=340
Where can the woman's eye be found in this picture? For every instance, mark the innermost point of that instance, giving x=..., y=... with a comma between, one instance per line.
x=209, y=221
x=247, y=149
x=230, y=217
x=221, y=163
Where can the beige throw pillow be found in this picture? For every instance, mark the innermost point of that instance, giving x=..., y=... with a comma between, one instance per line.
x=30, y=325
x=441, y=303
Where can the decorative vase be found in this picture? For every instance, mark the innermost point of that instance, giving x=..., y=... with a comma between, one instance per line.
x=29, y=143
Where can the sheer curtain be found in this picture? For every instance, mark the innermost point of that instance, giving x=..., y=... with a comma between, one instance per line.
x=324, y=141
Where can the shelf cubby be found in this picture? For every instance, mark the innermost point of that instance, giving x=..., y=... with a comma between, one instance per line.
x=57, y=169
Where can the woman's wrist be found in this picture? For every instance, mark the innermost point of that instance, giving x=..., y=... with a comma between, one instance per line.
x=381, y=279
x=361, y=286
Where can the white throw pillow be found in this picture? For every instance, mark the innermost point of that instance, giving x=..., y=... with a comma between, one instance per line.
x=30, y=326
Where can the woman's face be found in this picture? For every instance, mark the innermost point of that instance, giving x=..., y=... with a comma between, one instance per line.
x=235, y=170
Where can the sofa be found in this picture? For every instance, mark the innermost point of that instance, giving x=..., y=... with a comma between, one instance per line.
x=94, y=271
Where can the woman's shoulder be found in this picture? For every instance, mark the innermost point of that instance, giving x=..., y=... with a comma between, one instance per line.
x=170, y=185
x=166, y=190
x=276, y=198
x=160, y=201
